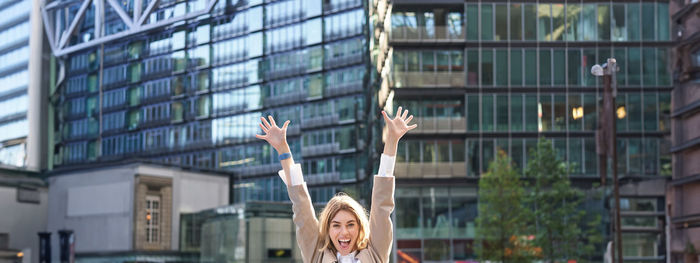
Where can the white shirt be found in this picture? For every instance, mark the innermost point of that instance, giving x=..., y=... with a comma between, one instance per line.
x=350, y=258
x=386, y=168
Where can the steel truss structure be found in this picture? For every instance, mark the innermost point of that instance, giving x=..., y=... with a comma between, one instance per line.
x=63, y=17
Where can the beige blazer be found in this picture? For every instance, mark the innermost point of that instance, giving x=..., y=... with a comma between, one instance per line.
x=380, y=225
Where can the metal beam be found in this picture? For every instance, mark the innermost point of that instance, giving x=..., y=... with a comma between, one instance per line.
x=135, y=26
x=74, y=24
x=124, y=16
x=67, y=50
x=147, y=12
x=48, y=28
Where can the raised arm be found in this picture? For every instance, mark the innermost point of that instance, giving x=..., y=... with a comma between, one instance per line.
x=277, y=138
x=304, y=214
x=381, y=227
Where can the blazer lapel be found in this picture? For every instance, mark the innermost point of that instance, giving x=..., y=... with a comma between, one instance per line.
x=329, y=257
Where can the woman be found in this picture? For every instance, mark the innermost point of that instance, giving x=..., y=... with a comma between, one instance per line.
x=343, y=232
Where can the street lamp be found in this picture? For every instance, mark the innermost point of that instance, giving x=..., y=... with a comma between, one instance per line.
x=607, y=137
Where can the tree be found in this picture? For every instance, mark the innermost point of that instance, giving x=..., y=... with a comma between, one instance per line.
x=502, y=220
x=561, y=228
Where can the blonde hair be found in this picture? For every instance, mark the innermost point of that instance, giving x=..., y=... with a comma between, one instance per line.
x=342, y=202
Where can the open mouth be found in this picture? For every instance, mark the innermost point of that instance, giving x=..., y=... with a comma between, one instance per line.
x=344, y=243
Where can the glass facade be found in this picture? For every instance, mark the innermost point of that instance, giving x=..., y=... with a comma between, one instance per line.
x=192, y=94
x=14, y=81
x=507, y=74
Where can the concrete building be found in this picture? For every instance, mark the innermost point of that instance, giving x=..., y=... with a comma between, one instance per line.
x=684, y=190
x=24, y=203
x=131, y=211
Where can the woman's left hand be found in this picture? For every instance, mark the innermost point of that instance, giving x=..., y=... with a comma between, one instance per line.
x=398, y=126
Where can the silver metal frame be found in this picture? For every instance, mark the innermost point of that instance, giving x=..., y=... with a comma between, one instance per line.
x=136, y=23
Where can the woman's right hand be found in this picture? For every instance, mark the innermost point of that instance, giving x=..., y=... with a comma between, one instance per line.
x=275, y=136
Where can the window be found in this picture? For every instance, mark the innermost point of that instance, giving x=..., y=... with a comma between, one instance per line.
x=516, y=22
x=502, y=112
x=589, y=22
x=634, y=62
x=558, y=25
x=531, y=112
x=486, y=67
x=649, y=66
x=530, y=67
x=604, y=22
x=516, y=112
x=544, y=22
x=153, y=219
x=648, y=22
x=501, y=67
x=560, y=112
x=559, y=67
x=545, y=65
x=516, y=67
x=472, y=21
x=501, y=22
x=486, y=21
x=530, y=21
x=487, y=113
x=633, y=22
x=545, y=109
x=473, y=67
x=619, y=29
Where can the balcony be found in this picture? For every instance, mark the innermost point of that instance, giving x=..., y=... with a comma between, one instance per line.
x=343, y=88
x=410, y=170
x=282, y=99
x=430, y=125
x=220, y=59
x=334, y=62
x=438, y=34
x=322, y=178
x=320, y=121
x=322, y=149
x=288, y=71
x=429, y=79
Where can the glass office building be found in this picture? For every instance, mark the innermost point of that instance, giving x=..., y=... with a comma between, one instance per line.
x=14, y=81
x=490, y=76
x=192, y=93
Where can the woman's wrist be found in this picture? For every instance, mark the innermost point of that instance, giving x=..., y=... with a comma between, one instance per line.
x=283, y=149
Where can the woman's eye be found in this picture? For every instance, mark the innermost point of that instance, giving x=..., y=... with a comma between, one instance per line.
x=335, y=226
x=351, y=225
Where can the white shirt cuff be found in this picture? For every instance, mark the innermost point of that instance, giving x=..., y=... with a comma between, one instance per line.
x=295, y=173
x=386, y=166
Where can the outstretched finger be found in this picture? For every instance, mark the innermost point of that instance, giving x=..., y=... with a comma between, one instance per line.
x=403, y=116
x=262, y=137
x=412, y=127
x=386, y=117
x=398, y=112
x=272, y=121
x=263, y=128
x=409, y=119
x=264, y=121
x=284, y=126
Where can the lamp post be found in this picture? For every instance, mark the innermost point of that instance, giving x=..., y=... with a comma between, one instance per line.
x=608, y=134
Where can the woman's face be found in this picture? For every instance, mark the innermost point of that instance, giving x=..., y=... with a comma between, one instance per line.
x=343, y=231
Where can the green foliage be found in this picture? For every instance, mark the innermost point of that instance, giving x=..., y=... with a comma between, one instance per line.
x=562, y=229
x=502, y=219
